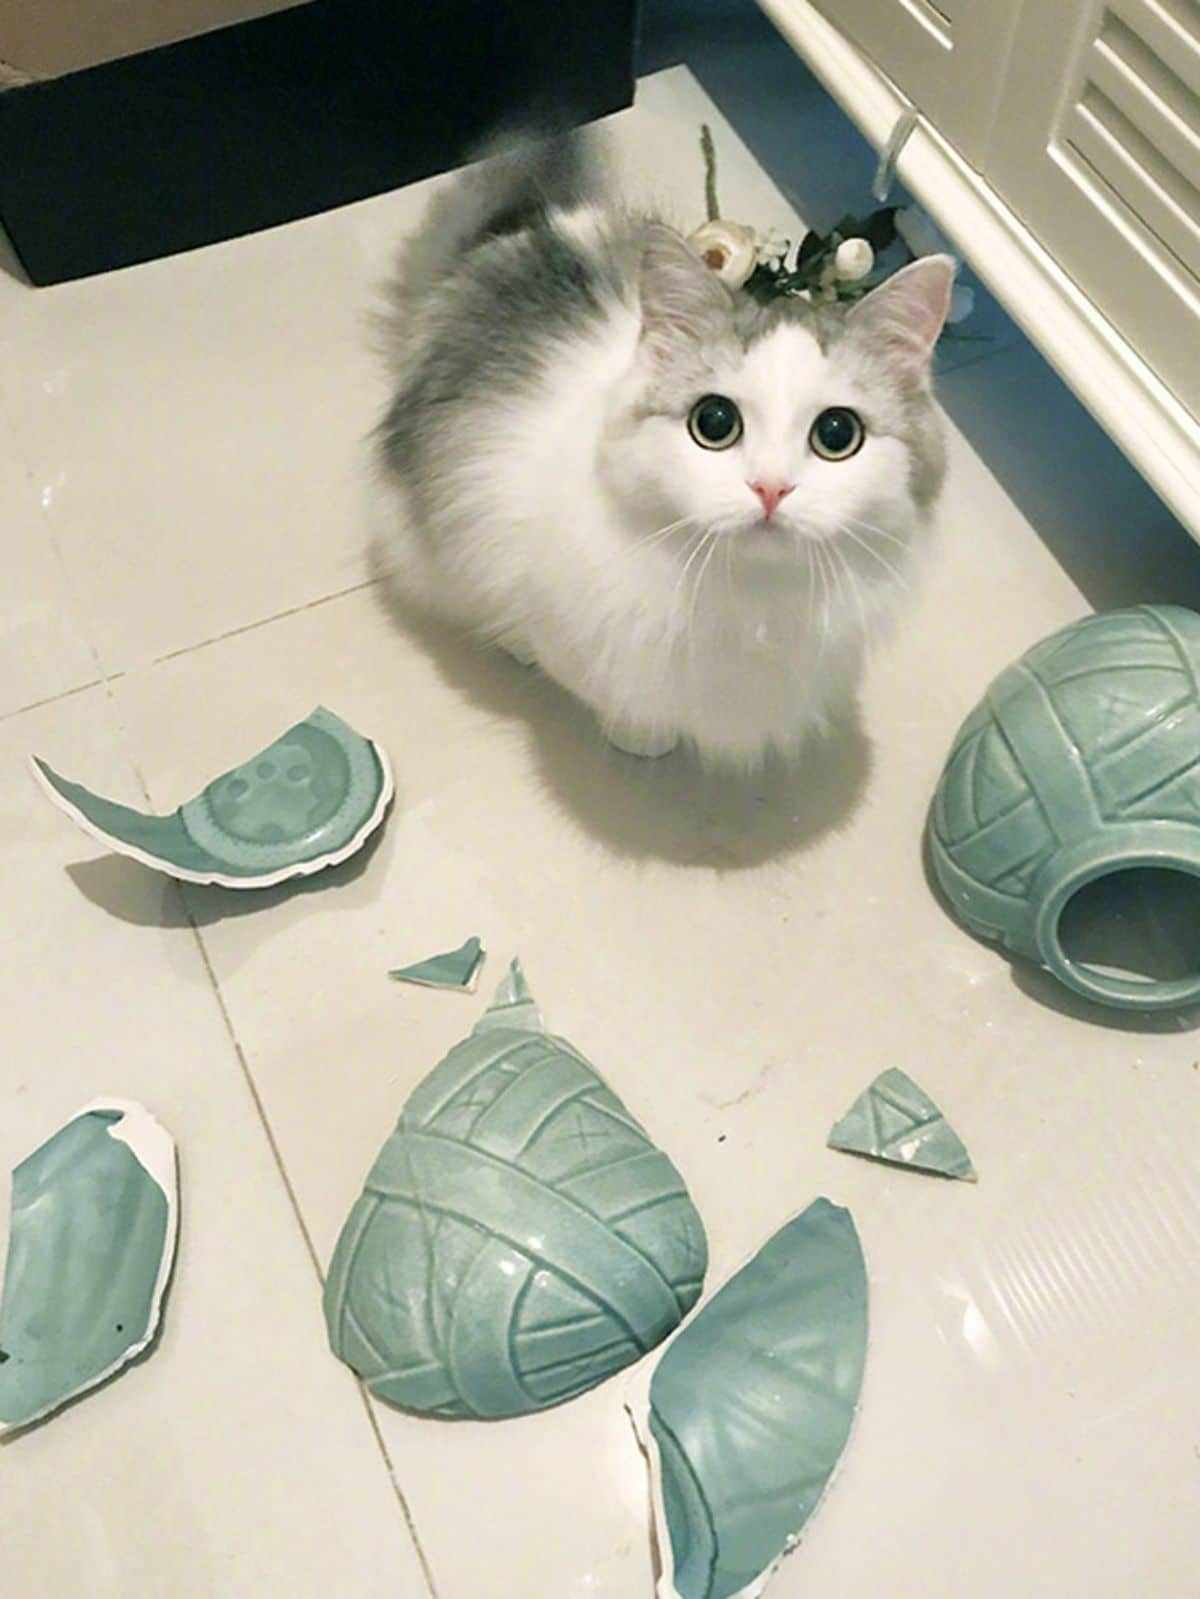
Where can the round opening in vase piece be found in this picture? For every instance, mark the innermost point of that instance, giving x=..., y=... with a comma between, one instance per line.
x=1132, y=937
x=1066, y=822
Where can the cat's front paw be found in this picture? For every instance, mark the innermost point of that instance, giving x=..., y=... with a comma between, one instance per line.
x=646, y=742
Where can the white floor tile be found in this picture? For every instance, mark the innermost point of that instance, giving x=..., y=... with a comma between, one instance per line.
x=44, y=648
x=193, y=427
x=236, y=1460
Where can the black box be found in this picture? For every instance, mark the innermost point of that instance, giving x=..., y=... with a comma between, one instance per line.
x=289, y=114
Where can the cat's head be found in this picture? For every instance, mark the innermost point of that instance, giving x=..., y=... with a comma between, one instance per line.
x=784, y=425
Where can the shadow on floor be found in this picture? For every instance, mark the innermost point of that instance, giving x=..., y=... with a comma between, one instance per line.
x=669, y=809
x=10, y=264
x=1041, y=986
x=141, y=896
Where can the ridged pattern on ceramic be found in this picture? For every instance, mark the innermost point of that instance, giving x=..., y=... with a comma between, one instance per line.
x=1096, y=726
x=752, y=1403
x=894, y=1120
x=305, y=795
x=518, y=1240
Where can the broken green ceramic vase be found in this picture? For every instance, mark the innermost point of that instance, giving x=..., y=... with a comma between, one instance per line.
x=91, y=1243
x=1066, y=824
x=896, y=1121
x=458, y=969
x=750, y=1405
x=519, y=1238
x=308, y=801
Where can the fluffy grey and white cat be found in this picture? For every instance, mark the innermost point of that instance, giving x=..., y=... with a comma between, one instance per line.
x=690, y=509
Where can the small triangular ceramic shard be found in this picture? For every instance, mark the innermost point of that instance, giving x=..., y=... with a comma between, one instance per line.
x=895, y=1121
x=458, y=969
x=513, y=1007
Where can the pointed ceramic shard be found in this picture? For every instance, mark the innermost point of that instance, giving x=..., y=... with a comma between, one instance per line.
x=519, y=1237
x=308, y=801
x=513, y=1006
x=91, y=1243
x=459, y=969
x=895, y=1121
x=747, y=1411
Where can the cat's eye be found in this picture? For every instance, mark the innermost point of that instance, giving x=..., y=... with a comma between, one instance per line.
x=837, y=434
x=715, y=422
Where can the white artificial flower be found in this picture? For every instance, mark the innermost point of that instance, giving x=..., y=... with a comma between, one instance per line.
x=772, y=249
x=853, y=260
x=921, y=233
x=728, y=248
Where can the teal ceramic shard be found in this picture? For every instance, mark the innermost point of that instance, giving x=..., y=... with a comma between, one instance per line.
x=91, y=1243
x=1066, y=823
x=513, y=1006
x=749, y=1407
x=895, y=1121
x=519, y=1237
x=458, y=969
x=309, y=800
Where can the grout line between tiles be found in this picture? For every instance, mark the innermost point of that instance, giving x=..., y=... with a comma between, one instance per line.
x=265, y=621
x=66, y=694
x=293, y=1200
x=277, y=1155
x=86, y=620
x=972, y=361
x=289, y=1189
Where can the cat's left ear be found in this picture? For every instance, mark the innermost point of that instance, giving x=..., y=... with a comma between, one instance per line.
x=684, y=303
x=906, y=314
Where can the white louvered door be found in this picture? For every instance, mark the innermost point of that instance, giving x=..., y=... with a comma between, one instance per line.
x=946, y=56
x=1096, y=146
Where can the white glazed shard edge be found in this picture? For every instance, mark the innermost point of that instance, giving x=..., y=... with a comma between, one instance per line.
x=154, y=1150
x=183, y=874
x=636, y=1400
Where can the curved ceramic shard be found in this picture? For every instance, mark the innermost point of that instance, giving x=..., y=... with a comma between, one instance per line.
x=519, y=1238
x=750, y=1406
x=513, y=1007
x=307, y=801
x=459, y=969
x=91, y=1243
x=895, y=1121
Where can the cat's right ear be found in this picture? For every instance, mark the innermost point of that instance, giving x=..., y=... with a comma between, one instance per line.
x=685, y=305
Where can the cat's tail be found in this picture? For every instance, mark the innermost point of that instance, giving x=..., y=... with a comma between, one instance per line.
x=518, y=175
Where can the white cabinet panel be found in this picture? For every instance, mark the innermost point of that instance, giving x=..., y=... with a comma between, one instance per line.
x=1096, y=146
x=946, y=56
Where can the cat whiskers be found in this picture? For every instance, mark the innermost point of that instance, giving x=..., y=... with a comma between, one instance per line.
x=869, y=549
x=880, y=532
x=827, y=596
x=710, y=545
x=854, y=584
x=662, y=533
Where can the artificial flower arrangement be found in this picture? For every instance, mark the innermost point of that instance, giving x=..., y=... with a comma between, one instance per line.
x=840, y=265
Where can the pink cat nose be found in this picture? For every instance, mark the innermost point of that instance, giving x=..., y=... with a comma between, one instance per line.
x=770, y=494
